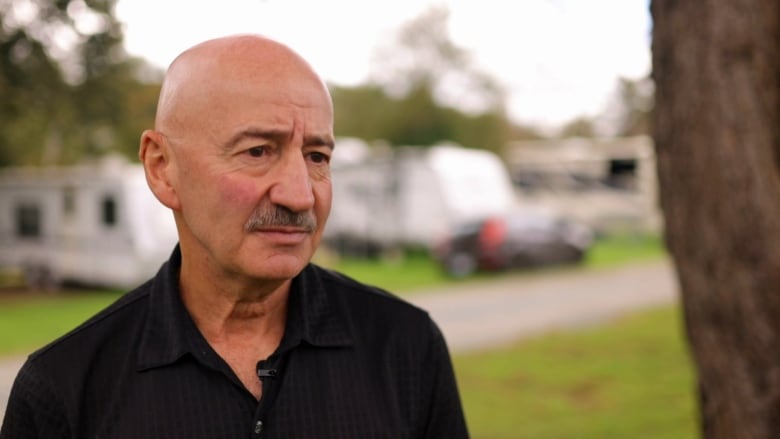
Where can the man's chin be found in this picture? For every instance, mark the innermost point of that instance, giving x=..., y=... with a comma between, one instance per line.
x=278, y=267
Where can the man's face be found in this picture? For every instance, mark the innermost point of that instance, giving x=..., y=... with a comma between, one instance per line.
x=253, y=176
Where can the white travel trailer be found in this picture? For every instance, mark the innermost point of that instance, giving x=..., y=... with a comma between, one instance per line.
x=608, y=183
x=90, y=224
x=412, y=197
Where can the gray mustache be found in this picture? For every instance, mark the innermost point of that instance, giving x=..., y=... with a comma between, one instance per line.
x=280, y=216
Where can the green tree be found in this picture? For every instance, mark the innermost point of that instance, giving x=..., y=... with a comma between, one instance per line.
x=489, y=130
x=580, y=127
x=631, y=108
x=425, y=90
x=65, y=82
x=524, y=132
x=30, y=88
x=423, y=57
x=416, y=119
x=361, y=112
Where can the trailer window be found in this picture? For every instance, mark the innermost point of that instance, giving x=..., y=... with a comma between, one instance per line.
x=622, y=174
x=28, y=221
x=109, y=211
x=69, y=201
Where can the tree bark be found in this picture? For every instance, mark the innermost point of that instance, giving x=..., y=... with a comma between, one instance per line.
x=716, y=67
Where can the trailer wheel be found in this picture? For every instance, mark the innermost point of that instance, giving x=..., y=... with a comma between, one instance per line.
x=461, y=264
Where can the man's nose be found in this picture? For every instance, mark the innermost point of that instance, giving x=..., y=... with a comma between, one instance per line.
x=292, y=186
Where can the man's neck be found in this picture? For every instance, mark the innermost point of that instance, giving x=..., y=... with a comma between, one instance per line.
x=228, y=309
x=243, y=322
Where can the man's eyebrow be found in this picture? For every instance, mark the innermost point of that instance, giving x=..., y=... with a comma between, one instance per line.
x=278, y=136
x=255, y=133
x=315, y=140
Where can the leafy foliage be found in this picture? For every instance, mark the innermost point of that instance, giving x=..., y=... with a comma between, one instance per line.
x=416, y=119
x=579, y=127
x=63, y=102
x=68, y=89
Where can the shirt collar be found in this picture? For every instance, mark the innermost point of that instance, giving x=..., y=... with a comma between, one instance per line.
x=315, y=316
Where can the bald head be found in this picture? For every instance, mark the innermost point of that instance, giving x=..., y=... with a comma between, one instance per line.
x=195, y=79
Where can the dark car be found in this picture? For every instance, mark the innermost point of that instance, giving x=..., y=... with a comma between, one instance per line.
x=521, y=238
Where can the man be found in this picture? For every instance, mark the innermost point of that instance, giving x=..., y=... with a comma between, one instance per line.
x=239, y=335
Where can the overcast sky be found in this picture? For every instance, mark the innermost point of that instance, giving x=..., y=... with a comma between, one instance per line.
x=558, y=59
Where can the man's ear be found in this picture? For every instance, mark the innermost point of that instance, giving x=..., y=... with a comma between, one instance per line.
x=156, y=157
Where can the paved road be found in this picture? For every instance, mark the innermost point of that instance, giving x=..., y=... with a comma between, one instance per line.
x=486, y=315
x=478, y=315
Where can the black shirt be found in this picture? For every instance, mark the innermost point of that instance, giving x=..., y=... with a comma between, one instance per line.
x=354, y=362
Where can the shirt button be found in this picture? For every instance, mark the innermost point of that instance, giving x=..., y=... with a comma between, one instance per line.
x=258, y=427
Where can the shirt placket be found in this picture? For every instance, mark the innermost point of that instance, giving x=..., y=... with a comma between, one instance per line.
x=268, y=371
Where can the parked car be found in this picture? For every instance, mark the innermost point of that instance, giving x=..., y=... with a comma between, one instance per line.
x=521, y=238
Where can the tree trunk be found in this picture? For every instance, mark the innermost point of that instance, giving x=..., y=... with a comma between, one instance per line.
x=716, y=66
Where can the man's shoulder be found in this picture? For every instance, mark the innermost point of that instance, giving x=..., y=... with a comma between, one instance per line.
x=373, y=310
x=110, y=323
x=355, y=291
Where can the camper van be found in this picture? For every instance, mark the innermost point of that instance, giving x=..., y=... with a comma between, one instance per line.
x=412, y=196
x=608, y=183
x=91, y=224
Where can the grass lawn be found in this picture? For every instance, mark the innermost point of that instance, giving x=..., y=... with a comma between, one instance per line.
x=622, y=249
x=27, y=323
x=418, y=271
x=628, y=379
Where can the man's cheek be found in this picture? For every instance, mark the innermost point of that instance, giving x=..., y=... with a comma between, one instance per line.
x=237, y=191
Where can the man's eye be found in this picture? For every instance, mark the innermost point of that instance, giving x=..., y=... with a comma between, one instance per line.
x=256, y=151
x=318, y=157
